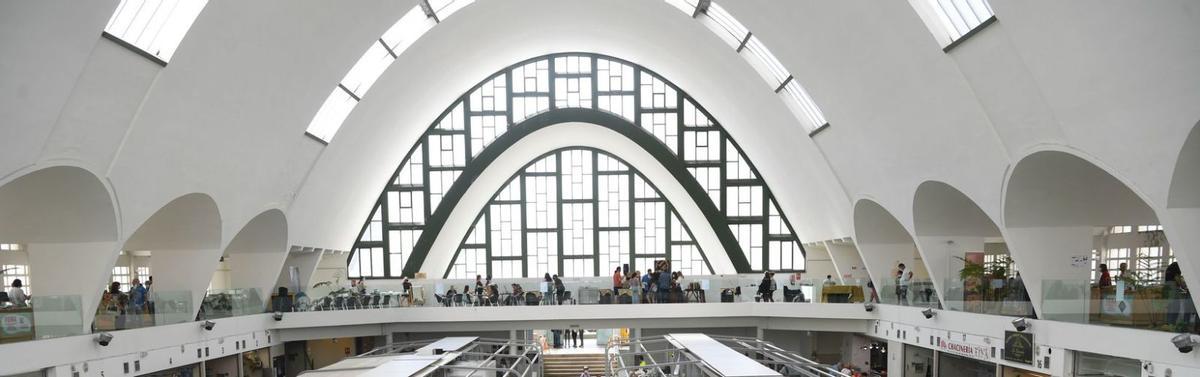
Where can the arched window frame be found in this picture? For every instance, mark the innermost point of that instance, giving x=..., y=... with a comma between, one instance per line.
x=644, y=102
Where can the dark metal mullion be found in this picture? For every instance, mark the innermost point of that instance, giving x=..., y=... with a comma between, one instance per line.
x=524, y=225
x=632, y=220
x=659, y=199
x=766, y=229
x=615, y=228
x=669, y=212
x=559, y=161
x=679, y=124
x=594, y=76
x=612, y=172
x=383, y=221
x=745, y=40
x=529, y=94
x=613, y=92
x=551, y=76
x=403, y=226
x=487, y=238
x=595, y=212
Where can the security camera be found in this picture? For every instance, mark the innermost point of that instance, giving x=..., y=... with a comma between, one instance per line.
x=1021, y=324
x=278, y=316
x=928, y=313
x=103, y=339
x=869, y=306
x=1185, y=342
x=208, y=325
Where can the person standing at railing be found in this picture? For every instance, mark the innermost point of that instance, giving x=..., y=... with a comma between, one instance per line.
x=765, y=291
x=902, y=285
x=634, y=283
x=617, y=280
x=664, y=283
x=408, y=291
x=1105, y=278
x=560, y=289
x=646, y=279
x=137, y=301
x=478, y=289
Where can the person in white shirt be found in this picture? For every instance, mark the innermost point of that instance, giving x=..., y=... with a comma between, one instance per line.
x=902, y=279
x=17, y=295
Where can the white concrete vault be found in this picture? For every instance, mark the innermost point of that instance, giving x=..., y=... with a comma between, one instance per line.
x=257, y=250
x=884, y=243
x=66, y=218
x=1055, y=201
x=184, y=238
x=948, y=224
x=348, y=177
x=1182, y=216
x=570, y=134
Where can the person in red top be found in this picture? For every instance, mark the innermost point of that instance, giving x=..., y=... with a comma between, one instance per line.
x=1105, y=278
x=618, y=281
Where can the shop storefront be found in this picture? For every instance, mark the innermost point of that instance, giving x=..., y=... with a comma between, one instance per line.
x=1015, y=372
x=918, y=362
x=950, y=365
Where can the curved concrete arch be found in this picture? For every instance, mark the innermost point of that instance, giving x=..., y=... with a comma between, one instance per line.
x=66, y=219
x=947, y=224
x=257, y=251
x=460, y=213
x=885, y=243
x=346, y=178
x=1055, y=202
x=184, y=238
x=57, y=204
x=1182, y=215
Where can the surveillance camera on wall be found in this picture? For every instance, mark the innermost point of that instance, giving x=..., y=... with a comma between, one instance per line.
x=208, y=325
x=869, y=306
x=928, y=313
x=103, y=339
x=1185, y=342
x=278, y=316
x=1021, y=324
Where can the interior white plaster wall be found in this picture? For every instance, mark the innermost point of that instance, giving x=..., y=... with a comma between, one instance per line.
x=848, y=260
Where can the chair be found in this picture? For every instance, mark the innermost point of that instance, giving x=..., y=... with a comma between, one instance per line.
x=387, y=301
x=458, y=299
x=532, y=299
x=375, y=300
x=339, y=303
x=441, y=300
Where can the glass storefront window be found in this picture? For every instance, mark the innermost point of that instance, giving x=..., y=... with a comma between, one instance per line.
x=1090, y=364
x=918, y=362
x=957, y=366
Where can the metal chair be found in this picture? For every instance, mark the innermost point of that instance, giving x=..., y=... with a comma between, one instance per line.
x=339, y=303
x=387, y=301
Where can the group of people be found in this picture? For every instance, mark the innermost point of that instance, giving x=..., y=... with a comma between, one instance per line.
x=128, y=306
x=572, y=338
x=660, y=285
x=1174, y=290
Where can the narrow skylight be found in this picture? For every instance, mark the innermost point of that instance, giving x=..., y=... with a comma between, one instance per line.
x=378, y=57
x=725, y=26
x=154, y=26
x=950, y=20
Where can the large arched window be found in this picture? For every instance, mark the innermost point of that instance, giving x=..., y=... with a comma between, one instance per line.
x=394, y=239
x=576, y=212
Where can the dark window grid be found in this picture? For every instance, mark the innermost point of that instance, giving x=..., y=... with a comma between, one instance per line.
x=496, y=258
x=575, y=201
x=781, y=237
x=680, y=124
x=649, y=200
x=444, y=168
x=760, y=220
x=682, y=243
x=632, y=217
x=530, y=94
x=578, y=90
x=612, y=172
x=570, y=75
x=558, y=167
x=745, y=182
x=485, y=98
x=701, y=111
x=703, y=164
x=440, y=132
x=486, y=113
x=404, y=188
x=664, y=110
x=616, y=93
x=541, y=230
x=473, y=246
x=612, y=228
x=541, y=173
x=595, y=211
x=506, y=201
x=403, y=226
x=508, y=113
x=579, y=256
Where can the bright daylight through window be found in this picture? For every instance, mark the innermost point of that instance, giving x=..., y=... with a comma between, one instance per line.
x=154, y=26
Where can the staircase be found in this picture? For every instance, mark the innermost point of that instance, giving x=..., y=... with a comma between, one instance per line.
x=570, y=365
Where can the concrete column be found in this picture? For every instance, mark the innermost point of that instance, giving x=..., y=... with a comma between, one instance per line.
x=895, y=359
